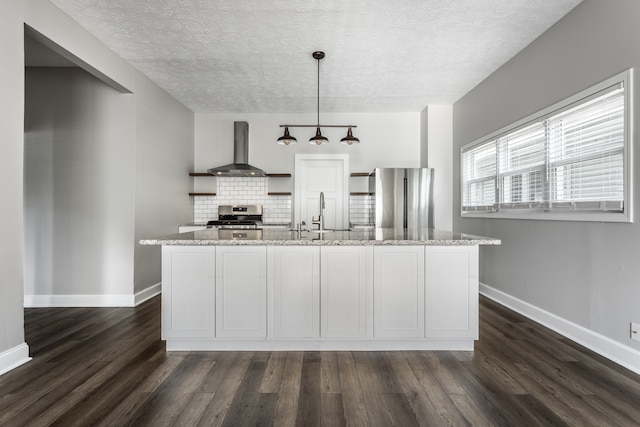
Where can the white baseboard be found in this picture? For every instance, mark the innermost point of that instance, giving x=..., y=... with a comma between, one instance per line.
x=14, y=357
x=34, y=301
x=148, y=293
x=604, y=346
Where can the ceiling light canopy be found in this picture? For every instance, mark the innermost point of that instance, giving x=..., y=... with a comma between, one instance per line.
x=318, y=139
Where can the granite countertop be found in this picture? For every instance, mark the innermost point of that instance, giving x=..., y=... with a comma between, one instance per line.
x=268, y=224
x=278, y=237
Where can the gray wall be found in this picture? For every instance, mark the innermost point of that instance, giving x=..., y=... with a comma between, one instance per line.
x=11, y=156
x=164, y=158
x=586, y=273
x=155, y=135
x=79, y=184
x=424, y=138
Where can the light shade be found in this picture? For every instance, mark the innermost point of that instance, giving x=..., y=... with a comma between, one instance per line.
x=350, y=139
x=287, y=139
x=318, y=139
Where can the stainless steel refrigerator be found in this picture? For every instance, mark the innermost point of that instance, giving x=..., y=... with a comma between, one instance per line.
x=402, y=198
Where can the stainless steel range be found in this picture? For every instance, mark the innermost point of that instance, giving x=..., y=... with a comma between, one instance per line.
x=238, y=222
x=237, y=217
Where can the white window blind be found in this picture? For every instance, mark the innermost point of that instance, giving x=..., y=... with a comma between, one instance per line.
x=479, y=171
x=521, y=159
x=586, y=154
x=572, y=157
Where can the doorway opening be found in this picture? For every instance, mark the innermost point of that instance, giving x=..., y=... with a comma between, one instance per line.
x=77, y=143
x=327, y=174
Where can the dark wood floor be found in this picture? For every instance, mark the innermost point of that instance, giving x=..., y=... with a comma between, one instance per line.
x=108, y=367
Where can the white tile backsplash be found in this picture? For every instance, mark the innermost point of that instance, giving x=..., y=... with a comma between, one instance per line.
x=361, y=209
x=245, y=191
x=276, y=209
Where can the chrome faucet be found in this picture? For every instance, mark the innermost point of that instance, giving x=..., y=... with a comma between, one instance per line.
x=320, y=220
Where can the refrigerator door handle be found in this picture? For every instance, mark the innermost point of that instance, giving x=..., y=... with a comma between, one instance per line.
x=405, y=203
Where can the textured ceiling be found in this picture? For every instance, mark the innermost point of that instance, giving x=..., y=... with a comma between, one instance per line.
x=254, y=56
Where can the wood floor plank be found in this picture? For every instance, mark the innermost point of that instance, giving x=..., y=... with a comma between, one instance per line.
x=421, y=406
x=286, y=410
x=262, y=412
x=92, y=404
x=444, y=407
x=274, y=373
x=245, y=400
x=474, y=414
x=192, y=412
x=485, y=392
x=213, y=379
x=329, y=372
x=520, y=351
x=494, y=367
x=332, y=410
x=568, y=405
x=285, y=413
x=444, y=376
x=108, y=367
x=216, y=411
x=375, y=388
x=309, y=403
x=612, y=414
x=399, y=410
x=355, y=408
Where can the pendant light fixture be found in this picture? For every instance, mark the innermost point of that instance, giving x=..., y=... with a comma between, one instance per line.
x=287, y=139
x=318, y=139
x=350, y=139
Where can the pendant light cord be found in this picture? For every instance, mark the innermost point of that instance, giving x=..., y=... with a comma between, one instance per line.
x=318, y=96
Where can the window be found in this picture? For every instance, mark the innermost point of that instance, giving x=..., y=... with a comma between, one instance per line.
x=571, y=161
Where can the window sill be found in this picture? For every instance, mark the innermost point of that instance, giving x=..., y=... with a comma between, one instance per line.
x=617, y=217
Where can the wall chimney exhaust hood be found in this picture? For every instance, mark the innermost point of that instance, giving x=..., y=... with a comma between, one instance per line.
x=240, y=165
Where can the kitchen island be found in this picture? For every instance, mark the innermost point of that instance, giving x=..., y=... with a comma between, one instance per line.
x=363, y=289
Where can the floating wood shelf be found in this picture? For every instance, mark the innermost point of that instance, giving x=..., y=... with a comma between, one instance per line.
x=278, y=194
x=199, y=174
x=359, y=194
x=202, y=194
x=354, y=174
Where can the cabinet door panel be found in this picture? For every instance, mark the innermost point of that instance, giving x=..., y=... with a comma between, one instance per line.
x=452, y=291
x=344, y=281
x=295, y=277
x=398, y=291
x=241, y=291
x=188, y=275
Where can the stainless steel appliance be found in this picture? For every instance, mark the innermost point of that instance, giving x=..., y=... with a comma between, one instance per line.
x=240, y=165
x=403, y=197
x=237, y=217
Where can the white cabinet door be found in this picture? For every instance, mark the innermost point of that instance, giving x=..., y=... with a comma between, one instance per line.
x=452, y=291
x=343, y=283
x=188, y=283
x=294, y=285
x=398, y=291
x=241, y=291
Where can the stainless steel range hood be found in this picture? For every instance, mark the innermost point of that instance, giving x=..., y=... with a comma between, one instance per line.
x=240, y=165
